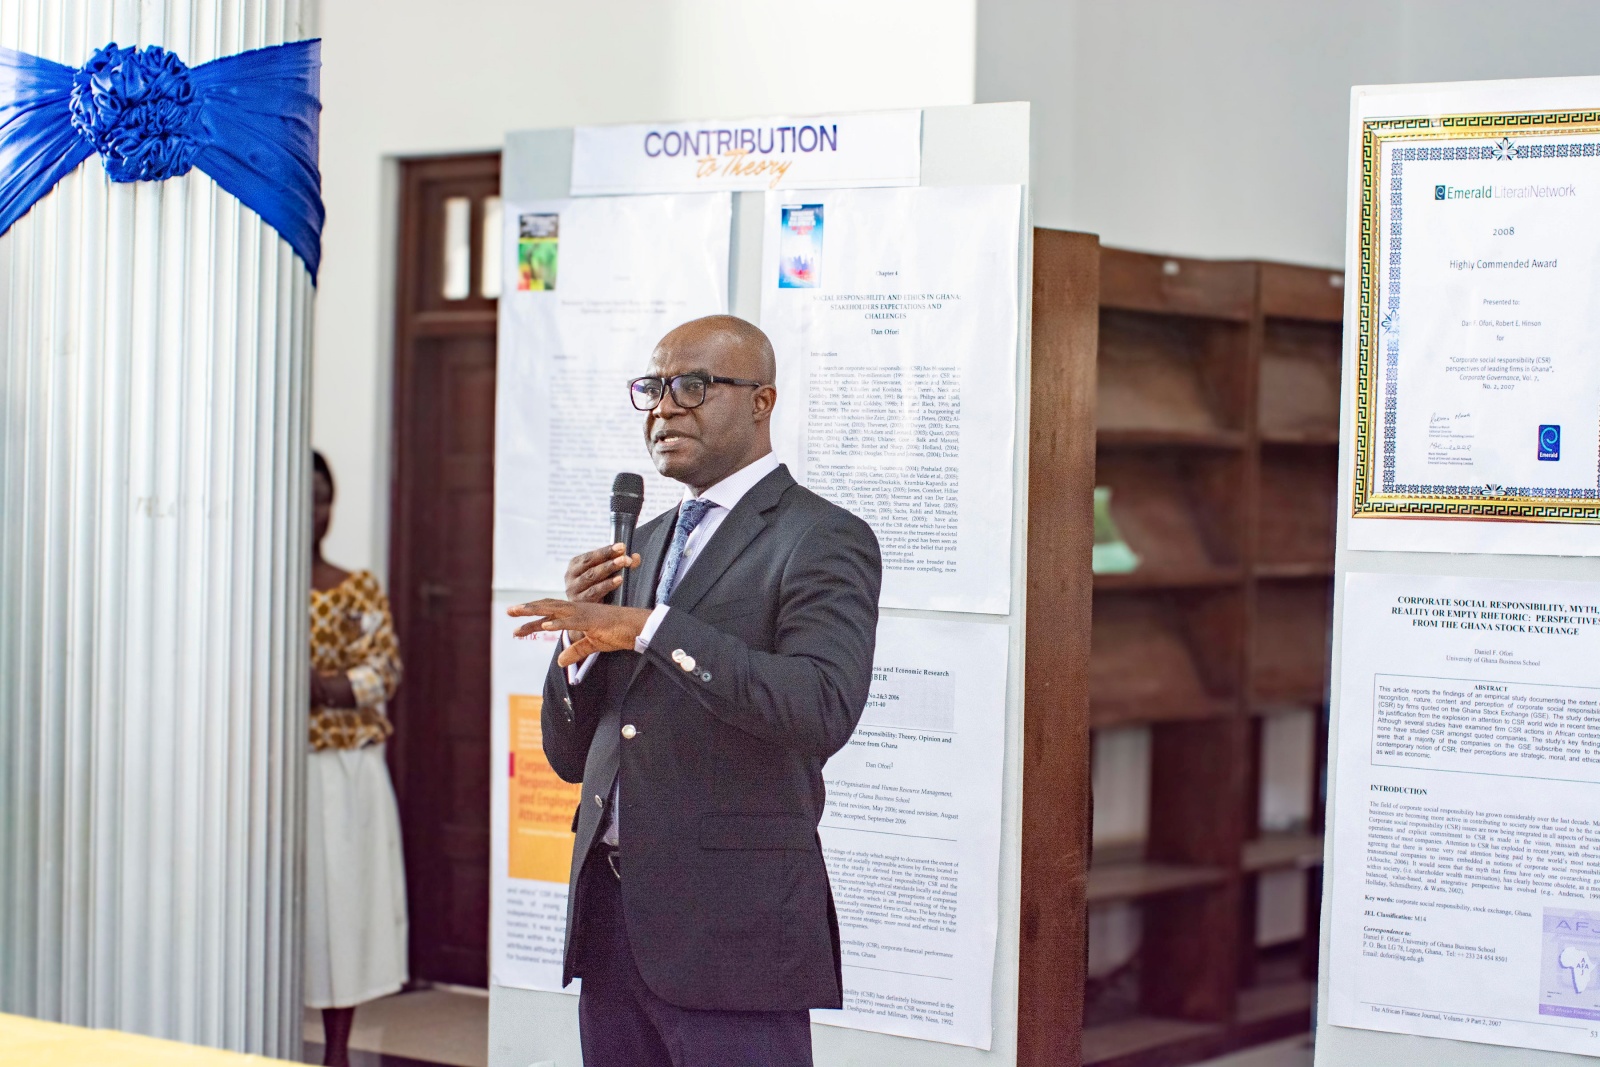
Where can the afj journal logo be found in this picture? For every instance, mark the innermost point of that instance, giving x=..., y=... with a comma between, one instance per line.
x=1549, y=442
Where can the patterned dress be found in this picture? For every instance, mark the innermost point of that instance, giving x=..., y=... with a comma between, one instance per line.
x=352, y=632
x=356, y=922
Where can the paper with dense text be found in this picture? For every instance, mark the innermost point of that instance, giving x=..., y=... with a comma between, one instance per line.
x=911, y=833
x=597, y=283
x=1466, y=842
x=896, y=334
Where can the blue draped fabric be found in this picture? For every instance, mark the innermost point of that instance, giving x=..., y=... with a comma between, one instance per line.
x=250, y=121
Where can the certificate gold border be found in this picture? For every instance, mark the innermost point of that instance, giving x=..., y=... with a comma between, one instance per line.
x=1368, y=499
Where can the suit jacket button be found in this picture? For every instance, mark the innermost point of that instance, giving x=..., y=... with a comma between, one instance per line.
x=628, y=731
x=599, y=801
x=678, y=654
x=687, y=663
x=705, y=676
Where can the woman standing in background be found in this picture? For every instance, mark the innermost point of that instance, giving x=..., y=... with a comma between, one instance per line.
x=355, y=879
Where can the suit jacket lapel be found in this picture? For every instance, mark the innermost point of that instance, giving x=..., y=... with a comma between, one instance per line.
x=652, y=553
x=737, y=530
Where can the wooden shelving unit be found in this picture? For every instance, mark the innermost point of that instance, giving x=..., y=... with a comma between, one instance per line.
x=1218, y=420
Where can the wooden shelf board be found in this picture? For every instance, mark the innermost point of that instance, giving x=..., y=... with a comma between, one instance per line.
x=1291, y=290
x=1274, y=1000
x=1105, y=1045
x=1264, y=708
x=1174, y=285
x=1317, y=569
x=1169, y=579
x=1299, y=380
x=1108, y=713
x=1267, y=1012
x=1271, y=852
x=1298, y=505
x=1171, y=508
x=1170, y=375
x=1302, y=694
x=1313, y=438
x=1138, y=879
x=1165, y=437
x=449, y=323
x=1147, y=664
x=1289, y=657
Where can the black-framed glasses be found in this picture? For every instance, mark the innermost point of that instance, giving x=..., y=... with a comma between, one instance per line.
x=688, y=390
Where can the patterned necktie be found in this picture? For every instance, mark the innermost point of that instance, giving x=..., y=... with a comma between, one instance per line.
x=690, y=512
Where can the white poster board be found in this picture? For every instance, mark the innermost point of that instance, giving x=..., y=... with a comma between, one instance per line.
x=1475, y=1007
x=970, y=1015
x=887, y=307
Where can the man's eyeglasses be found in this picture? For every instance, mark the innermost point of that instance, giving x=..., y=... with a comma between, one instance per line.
x=688, y=390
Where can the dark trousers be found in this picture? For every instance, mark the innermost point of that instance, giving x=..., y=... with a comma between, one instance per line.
x=623, y=1024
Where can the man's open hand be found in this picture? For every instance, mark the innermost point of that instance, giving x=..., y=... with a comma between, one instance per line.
x=603, y=627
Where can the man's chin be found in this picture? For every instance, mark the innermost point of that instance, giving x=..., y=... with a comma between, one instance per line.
x=672, y=465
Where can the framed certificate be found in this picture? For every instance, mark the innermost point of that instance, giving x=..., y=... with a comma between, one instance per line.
x=1477, y=391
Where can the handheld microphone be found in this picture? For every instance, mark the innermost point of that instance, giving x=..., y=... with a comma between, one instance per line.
x=627, y=500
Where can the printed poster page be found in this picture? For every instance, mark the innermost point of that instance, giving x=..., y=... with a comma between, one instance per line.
x=594, y=284
x=894, y=316
x=1479, y=393
x=531, y=819
x=1466, y=887
x=911, y=833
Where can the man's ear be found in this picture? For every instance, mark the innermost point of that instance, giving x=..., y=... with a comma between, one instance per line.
x=765, y=399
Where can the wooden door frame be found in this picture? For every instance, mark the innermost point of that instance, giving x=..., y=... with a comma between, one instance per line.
x=412, y=325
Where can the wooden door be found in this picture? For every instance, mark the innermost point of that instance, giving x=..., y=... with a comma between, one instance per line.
x=442, y=508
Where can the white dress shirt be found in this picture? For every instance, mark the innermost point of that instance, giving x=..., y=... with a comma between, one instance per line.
x=725, y=494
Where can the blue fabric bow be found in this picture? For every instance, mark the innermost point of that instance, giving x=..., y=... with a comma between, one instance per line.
x=248, y=120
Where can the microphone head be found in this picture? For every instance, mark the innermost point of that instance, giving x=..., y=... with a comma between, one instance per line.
x=627, y=494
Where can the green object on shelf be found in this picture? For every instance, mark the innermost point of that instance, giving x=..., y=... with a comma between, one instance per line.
x=1111, y=553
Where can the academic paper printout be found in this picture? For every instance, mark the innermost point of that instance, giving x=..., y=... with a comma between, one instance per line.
x=1466, y=838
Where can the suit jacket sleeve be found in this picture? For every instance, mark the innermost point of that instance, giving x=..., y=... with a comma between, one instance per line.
x=568, y=716
x=808, y=693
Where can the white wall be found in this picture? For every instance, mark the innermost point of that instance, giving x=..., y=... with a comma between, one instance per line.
x=408, y=77
x=1197, y=127
x=1217, y=127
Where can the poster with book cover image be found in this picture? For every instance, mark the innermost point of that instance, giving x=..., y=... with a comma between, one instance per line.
x=1571, y=954
x=538, y=240
x=800, y=247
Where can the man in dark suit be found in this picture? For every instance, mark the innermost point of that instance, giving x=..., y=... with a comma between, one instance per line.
x=698, y=717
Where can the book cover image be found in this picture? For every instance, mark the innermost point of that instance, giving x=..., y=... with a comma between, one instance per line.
x=538, y=238
x=1568, y=985
x=800, y=247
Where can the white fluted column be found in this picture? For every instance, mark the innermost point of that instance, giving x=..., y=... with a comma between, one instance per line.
x=154, y=346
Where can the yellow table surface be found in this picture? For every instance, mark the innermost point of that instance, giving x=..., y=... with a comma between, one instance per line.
x=31, y=1043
